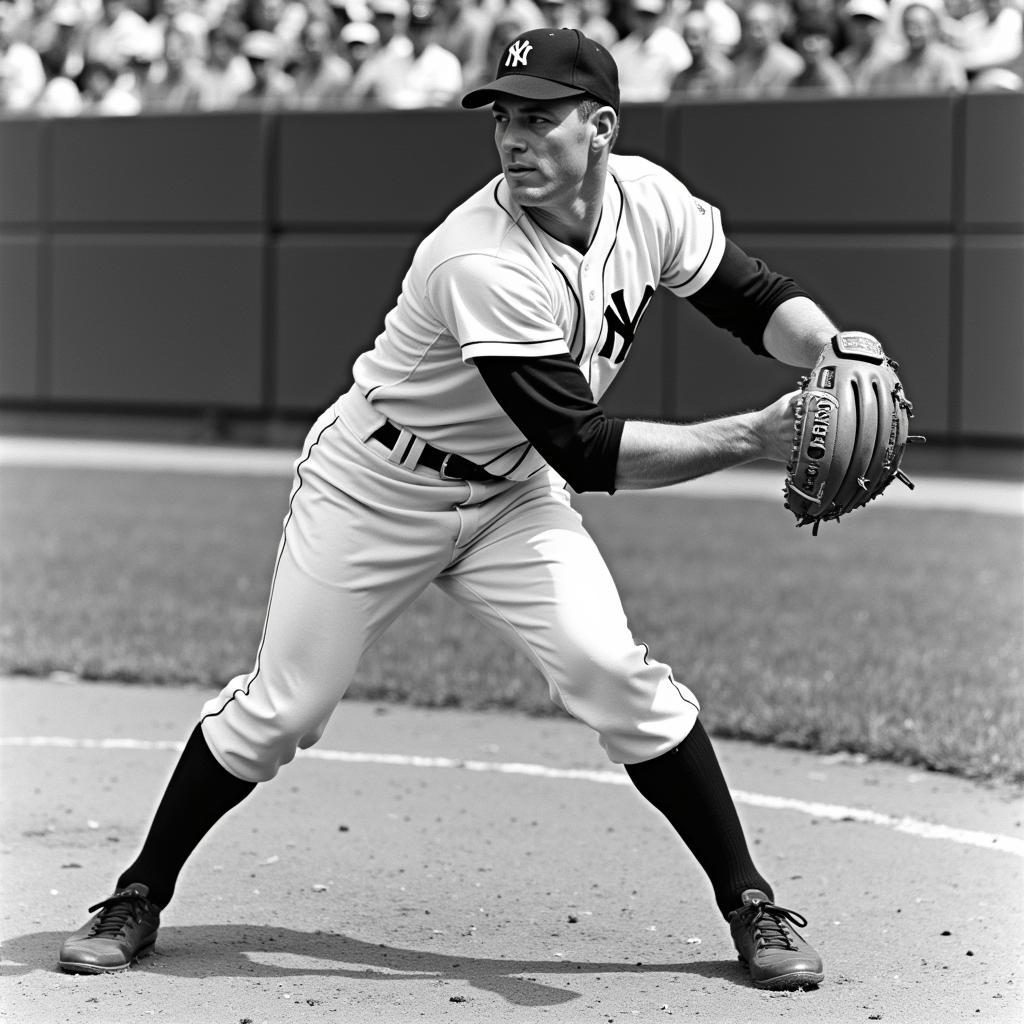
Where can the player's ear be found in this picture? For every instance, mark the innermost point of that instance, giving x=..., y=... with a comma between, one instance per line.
x=606, y=124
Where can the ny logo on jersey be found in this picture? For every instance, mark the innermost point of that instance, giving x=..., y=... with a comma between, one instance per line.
x=622, y=325
x=518, y=52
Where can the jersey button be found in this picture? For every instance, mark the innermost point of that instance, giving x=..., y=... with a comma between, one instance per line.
x=593, y=295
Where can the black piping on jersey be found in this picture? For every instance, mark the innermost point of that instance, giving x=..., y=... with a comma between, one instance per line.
x=604, y=267
x=500, y=204
x=580, y=323
x=696, y=273
x=501, y=455
x=273, y=581
x=490, y=341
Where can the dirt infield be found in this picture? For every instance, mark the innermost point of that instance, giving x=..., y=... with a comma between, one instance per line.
x=456, y=866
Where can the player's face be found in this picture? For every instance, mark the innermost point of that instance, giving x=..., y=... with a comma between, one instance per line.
x=545, y=149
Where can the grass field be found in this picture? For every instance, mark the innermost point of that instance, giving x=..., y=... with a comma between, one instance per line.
x=895, y=634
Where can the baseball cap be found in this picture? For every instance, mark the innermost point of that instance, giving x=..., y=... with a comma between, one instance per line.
x=551, y=64
x=649, y=6
x=360, y=32
x=421, y=15
x=390, y=8
x=261, y=45
x=877, y=9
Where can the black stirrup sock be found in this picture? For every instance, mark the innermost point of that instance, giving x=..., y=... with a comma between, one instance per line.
x=198, y=794
x=687, y=786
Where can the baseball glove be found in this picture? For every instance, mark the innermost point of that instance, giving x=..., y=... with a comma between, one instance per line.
x=852, y=422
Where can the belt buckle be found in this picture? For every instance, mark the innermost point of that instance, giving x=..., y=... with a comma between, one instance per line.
x=443, y=470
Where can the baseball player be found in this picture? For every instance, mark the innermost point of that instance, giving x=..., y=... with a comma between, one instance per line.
x=449, y=462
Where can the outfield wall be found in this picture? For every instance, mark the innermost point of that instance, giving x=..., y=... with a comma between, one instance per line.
x=237, y=263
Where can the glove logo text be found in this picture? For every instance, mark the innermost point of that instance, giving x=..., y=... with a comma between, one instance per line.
x=819, y=432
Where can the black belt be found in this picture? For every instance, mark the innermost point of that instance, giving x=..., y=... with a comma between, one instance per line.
x=447, y=465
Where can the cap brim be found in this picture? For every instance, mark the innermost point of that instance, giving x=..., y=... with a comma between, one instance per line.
x=523, y=86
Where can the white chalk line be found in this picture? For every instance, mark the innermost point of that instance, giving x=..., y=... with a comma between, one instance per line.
x=1002, y=497
x=833, y=812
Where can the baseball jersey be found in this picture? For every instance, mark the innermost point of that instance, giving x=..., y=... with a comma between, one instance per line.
x=489, y=282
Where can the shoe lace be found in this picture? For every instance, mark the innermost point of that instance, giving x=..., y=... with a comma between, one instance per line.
x=117, y=911
x=769, y=924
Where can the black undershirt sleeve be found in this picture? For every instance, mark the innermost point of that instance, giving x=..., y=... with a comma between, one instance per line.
x=741, y=296
x=549, y=400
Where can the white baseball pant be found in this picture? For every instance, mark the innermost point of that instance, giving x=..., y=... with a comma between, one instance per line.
x=364, y=535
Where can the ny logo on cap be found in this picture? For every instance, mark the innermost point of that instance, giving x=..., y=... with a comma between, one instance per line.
x=518, y=52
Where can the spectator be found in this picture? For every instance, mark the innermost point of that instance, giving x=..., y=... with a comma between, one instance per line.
x=272, y=87
x=227, y=74
x=119, y=34
x=710, y=73
x=725, y=23
x=60, y=96
x=892, y=41
x=557, y=14
x=282, y=18
x=393, y=48
x=321, y=75
x=50, y=23
x=186, y=19
x=22, y=76
x=764, y=65
x=429, y=76
x=463, y=29
x=929, y=66
x=819, y=11
x=989, y=37
x=357, y=41
x=525, y=12
x=389, y=18
x=650, y=56
x=175, y=82
x=505, y=29
x=62, y=62
x=861, y=59
x=820, y=72
x=596, y=24
x=103, y=94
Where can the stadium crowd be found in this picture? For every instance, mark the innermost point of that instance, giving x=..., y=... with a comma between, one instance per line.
x=123, y=57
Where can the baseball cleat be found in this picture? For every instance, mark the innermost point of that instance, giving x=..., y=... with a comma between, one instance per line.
x=773, y=951
x=123, y=930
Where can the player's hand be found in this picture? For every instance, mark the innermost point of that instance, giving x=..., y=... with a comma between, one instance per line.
x=776, y=425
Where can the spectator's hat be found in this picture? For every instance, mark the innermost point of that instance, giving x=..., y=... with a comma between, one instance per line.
x=360, y=32
x=390, y=8
x=353, y=10
x=66, y=13
x=421, y=15
x=551, y=64
x=261, y=45
x=649, y=6
x=997, y=80
x=876, y=9
x=143, y=45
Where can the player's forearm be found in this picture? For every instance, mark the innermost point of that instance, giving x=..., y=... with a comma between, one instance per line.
x=797, y=331
x=659, y=454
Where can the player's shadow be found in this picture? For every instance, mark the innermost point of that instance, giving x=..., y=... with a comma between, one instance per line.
x=237, y=951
